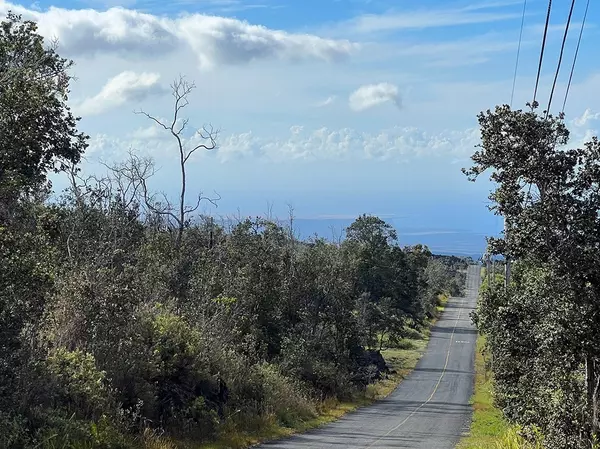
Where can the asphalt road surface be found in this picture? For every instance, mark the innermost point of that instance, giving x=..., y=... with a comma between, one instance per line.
x=430, y=409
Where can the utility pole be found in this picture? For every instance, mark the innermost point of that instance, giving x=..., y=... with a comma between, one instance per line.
x=508, y=262
x=211, y=238
x=488, y=269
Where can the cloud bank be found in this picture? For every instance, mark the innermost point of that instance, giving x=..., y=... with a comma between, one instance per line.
x=398, y=144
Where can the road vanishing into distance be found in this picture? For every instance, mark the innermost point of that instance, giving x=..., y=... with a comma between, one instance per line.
x=430, y=409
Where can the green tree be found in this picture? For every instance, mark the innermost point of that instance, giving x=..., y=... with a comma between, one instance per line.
x=550, y=199
x=370, y=239
x=38, y=132
x=389, y=281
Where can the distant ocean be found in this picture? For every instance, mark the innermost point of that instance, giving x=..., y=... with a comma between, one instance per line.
x=439, y=240
x=449, y=222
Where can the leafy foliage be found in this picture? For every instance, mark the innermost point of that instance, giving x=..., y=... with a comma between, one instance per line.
x=37, y=131
x=543, y=330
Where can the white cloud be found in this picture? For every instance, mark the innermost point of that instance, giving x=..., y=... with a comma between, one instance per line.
x=422, y=19
x=371, y=95
x=106, y=148
x=586, y=117
x=150, y=132
x=329, y=100
x=125, y=87
x=86, y=32
x=219, y=40
x=214, y=40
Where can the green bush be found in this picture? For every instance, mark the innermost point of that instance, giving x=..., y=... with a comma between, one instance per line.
x=198, y=420
x=76, y=383
x=412, y=334
x=403, y=343
x=13, y=431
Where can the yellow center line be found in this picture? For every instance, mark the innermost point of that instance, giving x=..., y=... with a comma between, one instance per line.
x=432, y=393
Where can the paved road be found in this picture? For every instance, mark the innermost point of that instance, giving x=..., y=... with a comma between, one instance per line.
x=430, y=409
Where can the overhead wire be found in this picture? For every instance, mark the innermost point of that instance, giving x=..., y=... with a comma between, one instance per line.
x=562, y=50
x=512, y=95
x=537, y=81
x=587, y=6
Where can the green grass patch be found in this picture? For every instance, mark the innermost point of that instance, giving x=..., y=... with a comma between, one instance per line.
x=488, y=424
x=489, y=429
x=403, y=361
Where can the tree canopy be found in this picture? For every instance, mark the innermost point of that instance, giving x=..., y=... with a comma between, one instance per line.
x=38, y=132
x=543, y=330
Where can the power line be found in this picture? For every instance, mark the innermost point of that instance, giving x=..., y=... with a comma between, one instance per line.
x=537, y=81
x=562, y=50
x=575, y=57
x=512, y=95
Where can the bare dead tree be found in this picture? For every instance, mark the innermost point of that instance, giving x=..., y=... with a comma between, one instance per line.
x=177, y=126
x=130, y=179
x=292, y=252
x=269, y=213
x=100, y=192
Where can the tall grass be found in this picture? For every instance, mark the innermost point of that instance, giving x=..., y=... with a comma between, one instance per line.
x=512, y=440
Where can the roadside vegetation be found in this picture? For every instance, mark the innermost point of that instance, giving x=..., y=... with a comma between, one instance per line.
x=400, y=361
x=543, y=330
x=128, y=320
x=489, y=428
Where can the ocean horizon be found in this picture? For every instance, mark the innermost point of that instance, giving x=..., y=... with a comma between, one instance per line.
x=442, y=241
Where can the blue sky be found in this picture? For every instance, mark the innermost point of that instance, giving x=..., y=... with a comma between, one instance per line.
x=338, y=107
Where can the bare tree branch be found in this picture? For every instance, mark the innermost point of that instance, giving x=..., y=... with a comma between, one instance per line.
x=213, y=201
x=181, y=89
x=154, y=119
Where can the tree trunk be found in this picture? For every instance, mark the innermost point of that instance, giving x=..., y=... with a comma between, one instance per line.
x=381, y=341
x=592, y=379
x=181, y=221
